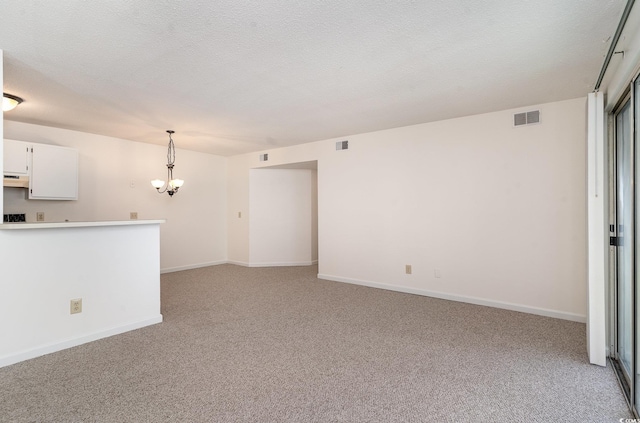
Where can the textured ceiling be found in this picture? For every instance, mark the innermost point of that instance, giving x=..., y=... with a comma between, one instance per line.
x=233, y=77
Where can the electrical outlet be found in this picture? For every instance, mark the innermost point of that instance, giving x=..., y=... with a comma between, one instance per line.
x=437, y=273
x=40, y=216
x=133, y=215
x=76, y=306
x=407, y=269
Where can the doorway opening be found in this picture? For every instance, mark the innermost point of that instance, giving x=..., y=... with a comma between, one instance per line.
x=283, y=215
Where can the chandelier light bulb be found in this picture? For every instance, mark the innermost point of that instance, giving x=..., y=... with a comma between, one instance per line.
x=157, y=183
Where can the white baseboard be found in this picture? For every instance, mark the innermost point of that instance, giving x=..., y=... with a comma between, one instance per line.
x=442, y=295
x=192, y=266
x=238, y=263
x=284, y=264
x=461, y=298
x=245, y=264
x=73, y=342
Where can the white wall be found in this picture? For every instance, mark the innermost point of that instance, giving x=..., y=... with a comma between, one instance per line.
x=114, y=269
x=114, y=181
x=498, y=211
x=281, y=217
x=314, y=215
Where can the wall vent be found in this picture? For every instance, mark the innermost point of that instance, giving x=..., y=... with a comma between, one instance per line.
x=526, y=118
x=264, y=157
x=342, y=145
x=17, y=217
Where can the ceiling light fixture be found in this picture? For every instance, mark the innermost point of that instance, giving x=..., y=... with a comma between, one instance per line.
x=9, y=102
x=172, y=185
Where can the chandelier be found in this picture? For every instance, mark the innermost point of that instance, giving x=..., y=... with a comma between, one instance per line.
x=172, y=185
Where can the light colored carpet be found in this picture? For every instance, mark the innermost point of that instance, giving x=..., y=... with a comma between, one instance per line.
x=278, y=345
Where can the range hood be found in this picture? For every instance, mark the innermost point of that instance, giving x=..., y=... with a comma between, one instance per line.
x=15, y=181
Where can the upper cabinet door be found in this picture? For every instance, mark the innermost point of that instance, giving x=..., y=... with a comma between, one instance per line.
x=16, y=158
x=54, y=173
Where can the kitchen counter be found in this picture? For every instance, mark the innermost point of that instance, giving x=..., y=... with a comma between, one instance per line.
x=112, y=266
x=74, y=224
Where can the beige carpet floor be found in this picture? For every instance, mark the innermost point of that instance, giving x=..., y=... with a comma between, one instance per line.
x=278, y=345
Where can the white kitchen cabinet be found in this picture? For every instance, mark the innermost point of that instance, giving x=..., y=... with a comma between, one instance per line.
x=53, y=173
x=16, y=158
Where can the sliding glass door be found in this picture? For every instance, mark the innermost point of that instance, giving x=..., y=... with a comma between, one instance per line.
x=625, y=353
x=624, y=240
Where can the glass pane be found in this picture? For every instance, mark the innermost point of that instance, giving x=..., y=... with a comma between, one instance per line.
x=625, y=236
